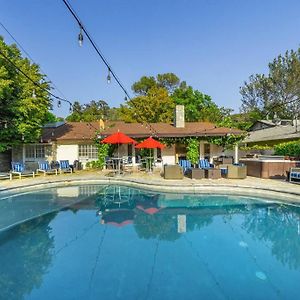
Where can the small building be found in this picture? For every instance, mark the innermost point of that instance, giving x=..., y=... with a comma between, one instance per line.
x=265, y=132
x=75, y=140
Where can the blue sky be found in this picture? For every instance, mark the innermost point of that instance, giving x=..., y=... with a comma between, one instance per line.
x=213, y=45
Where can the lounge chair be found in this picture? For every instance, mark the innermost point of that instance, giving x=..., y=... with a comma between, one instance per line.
x=64, y=167
x=173, y=172
x=185, y=164
x=19, y=169
x=204, y=164
x=44, y=167
x=6, y=176
x=295, y=175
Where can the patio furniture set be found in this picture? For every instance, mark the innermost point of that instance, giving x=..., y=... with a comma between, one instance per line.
x=204, y=169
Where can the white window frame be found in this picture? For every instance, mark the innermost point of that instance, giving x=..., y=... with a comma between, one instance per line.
x=87, y=152
x=35, y=152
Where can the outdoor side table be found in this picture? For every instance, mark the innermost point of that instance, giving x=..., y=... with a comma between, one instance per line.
x=213, y=173
x=195, y=173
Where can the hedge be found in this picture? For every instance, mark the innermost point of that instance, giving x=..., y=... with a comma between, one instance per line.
x=288, y=149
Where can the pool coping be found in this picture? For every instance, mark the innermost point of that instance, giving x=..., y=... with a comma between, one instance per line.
x=170, y=186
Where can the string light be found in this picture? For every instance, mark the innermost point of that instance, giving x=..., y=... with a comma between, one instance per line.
x=111, y=73
x=125, y=98
x=5, y=125
x=33, y=94
x=58, y=103
x=108, y=77
x=70, y=110
x=80, y=37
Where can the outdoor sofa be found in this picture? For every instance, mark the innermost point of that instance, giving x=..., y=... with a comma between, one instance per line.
x=173, y=172
x=234, y=171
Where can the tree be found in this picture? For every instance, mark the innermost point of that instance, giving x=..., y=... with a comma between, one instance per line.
x=168, y=81
x=142, y=86
x=198, y=106
x=93, y=111
x=51, y=118
x=24, y=106
x=155, y=106
x=278, y=92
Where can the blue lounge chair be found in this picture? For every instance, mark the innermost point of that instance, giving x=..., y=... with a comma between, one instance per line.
x=44, y=167
x=19, y=169
x=295, y=175
x=185, y=164
x=64, y=167
x=204, y=164
x=5, y=176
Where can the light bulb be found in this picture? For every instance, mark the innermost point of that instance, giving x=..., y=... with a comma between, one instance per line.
x=58, y=103
x=125, y=98
x=33, y=94
x=108, y=76
x=80, y=37
x=71, y=110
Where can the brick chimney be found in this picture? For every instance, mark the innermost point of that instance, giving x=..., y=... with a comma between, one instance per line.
x=179, y=116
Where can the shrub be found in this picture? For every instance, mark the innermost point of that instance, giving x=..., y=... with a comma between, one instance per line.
x=288, y=149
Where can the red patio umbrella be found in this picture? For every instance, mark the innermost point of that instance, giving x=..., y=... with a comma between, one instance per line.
x=150, y=143
x=118, y=138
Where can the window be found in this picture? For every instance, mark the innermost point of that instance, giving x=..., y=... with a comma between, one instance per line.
x=37, y=151
x=158, y=153
x=88, y=151
x=29, y=151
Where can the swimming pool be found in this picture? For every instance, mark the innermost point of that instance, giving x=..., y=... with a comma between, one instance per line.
x=115, y=242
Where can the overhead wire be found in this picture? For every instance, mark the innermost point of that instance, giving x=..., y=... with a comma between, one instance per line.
x=37, y=84
x=105, y=61
x=30, y=58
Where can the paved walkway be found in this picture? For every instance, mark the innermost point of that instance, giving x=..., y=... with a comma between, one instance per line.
x=250, y=185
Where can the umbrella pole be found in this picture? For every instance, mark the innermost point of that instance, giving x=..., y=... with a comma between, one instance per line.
x=119, y=159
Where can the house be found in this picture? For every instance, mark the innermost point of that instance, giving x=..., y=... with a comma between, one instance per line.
x=75, y=140
x=265, y=132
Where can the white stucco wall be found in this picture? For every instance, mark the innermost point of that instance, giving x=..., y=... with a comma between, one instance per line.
x=67, y=152
x=168, y=155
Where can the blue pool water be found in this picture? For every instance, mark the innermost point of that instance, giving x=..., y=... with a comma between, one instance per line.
x=113, y=242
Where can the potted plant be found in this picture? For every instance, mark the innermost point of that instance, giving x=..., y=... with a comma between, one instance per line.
x=193, y=152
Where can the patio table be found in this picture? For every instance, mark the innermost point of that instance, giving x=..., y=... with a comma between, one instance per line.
x=117, y=164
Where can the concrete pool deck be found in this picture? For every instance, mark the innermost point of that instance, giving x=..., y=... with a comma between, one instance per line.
x=272, y=188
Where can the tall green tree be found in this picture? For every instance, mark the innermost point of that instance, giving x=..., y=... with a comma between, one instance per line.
x=198, y=106
x=276, y=93
x=168, y=81
x=95, y=110
x=24, y=106
x=155, y=106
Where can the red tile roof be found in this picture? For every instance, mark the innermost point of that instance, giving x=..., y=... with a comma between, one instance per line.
x=87, y=130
